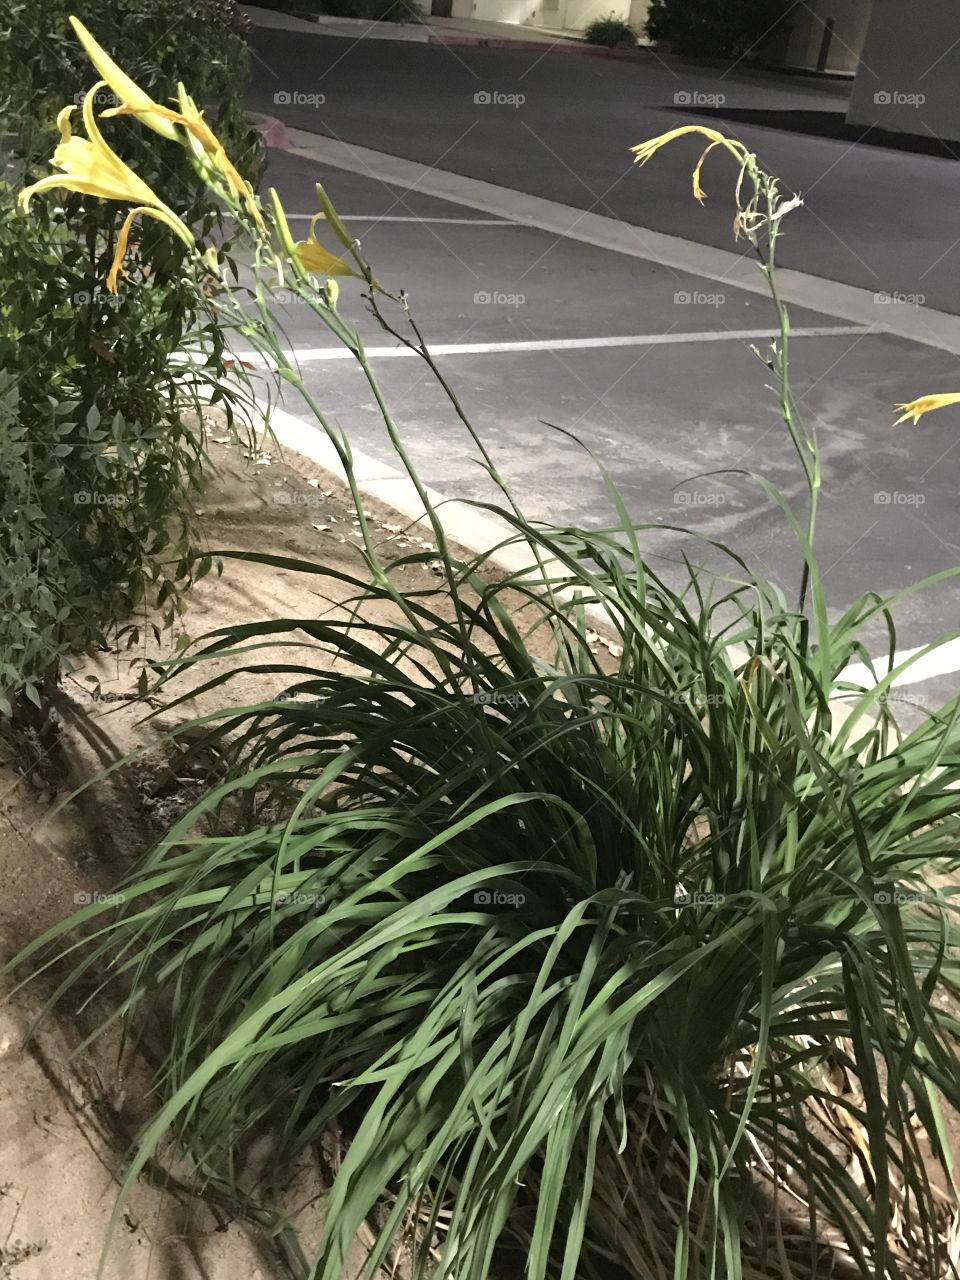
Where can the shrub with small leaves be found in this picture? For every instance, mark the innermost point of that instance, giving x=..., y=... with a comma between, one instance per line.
x=612, y=32
x=715, y=29
x=98, y=465
x=97, y=469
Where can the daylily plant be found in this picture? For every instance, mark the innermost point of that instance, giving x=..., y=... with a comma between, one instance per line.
x=749, y=217
x=784, y=690
x=91, y=167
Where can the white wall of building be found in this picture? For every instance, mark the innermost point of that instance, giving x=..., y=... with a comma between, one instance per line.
x=807, y=24
x=578, y=14
x=521, y=11
x=910, y=69
x=565, y=15
x=638, y=16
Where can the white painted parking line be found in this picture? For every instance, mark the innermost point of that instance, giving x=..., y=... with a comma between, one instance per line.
x=942, y=661
x=309, y=355
x=917, y=324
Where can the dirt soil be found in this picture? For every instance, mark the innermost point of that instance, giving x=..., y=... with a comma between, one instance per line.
x=65, y=1122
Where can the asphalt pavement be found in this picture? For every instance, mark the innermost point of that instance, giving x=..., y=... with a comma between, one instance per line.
x=649, y=367
x=561, y=127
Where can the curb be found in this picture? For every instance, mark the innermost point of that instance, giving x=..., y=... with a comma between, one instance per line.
x=380, y=29
x=271, y=130
x=475, y=531
x=563, y=44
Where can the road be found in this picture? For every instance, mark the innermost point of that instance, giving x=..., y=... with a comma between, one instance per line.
x=649, y=366
x=883, y=220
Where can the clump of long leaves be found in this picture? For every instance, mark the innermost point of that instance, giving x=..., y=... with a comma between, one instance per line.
x=557, y=944
x=582, y=954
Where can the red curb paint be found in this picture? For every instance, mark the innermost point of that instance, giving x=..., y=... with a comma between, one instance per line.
x=272, y=131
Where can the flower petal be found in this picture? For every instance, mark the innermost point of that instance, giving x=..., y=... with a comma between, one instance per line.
x=162, y=214
x=63, y=123
x=926, y=404
x=121, y=250
x=644, y=150
x=49, y=183
x=312, y=256
x=126, y=89
x=698, y=191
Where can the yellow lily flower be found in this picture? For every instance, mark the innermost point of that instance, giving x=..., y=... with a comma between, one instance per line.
x=916, y=408
x=643, y=152
x=312, y=256
x=121, y=84
x=206, y=146
x=191, y=117
x=209, y=153
x=90, y=167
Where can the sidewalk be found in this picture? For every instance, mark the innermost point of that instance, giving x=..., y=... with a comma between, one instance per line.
x=432, y=30
x=326, y=25
x=497, y=34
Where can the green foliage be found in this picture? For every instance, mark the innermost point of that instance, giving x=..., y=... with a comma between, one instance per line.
x=560, y=948
x=96, y=466
x=569, y=956
x=567, y=951
x=42, y=67
x=612, y=32
x=714, y=28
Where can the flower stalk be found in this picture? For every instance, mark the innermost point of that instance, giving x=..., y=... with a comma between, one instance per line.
x=760, y=210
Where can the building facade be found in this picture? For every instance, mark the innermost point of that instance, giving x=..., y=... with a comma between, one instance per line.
x=555, y=15
x=825, y=35
x=904, y=58
x=909, y=72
